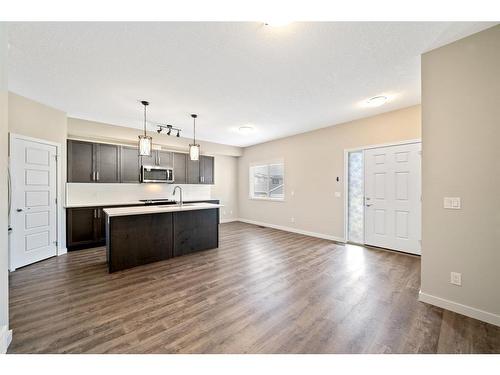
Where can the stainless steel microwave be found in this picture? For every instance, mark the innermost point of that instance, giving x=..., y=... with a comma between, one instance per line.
x=156, y=174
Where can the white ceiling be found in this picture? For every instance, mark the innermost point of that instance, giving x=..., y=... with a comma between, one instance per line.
x=282, y=81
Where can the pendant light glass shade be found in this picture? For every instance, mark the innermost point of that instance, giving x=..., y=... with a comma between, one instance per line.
x=145, y=141
x=194, y=152
x=194, y=148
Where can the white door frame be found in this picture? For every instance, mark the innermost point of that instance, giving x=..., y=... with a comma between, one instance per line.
x=346, y=174
x=59, y=208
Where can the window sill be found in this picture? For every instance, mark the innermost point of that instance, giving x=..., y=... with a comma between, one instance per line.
x=267, y=199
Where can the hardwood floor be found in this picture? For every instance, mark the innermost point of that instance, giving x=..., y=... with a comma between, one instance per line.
x=262, y=291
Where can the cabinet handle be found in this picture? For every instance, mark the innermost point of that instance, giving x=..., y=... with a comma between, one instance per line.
x=97, y=176
x=95, y=213
x=98, y=213
x=159, y=158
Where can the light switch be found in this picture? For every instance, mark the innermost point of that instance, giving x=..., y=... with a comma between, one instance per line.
x=337, y=194
x=452, y=203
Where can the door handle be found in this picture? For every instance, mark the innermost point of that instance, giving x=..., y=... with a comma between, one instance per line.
x=368, y=205
x=19, y=210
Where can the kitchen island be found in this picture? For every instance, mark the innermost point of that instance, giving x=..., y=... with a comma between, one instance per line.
x=141, y=235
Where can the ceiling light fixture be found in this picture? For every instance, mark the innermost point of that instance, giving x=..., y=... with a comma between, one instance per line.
x=145, y=141
x=169, y=129
x=277, y=23
x=376, y=101
x=194, y=148
x=246, y=130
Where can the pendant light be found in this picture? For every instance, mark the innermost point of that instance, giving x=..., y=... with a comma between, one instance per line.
x=194, y=149
x=145, y=141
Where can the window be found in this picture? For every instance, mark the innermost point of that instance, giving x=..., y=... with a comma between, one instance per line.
x=267, y=181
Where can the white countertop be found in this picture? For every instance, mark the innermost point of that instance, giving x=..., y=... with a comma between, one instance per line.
x=143, y=210
x=102, y=204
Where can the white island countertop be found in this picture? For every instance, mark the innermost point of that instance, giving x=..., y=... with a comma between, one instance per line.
x=144, y=210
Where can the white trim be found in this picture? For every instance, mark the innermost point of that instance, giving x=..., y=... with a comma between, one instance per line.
x=230, y=220
x=60, y=229
x=5, y=339
x=294, y=230
x=469, y=311
x=61, y=251
x=398, y=143
x=346, y=170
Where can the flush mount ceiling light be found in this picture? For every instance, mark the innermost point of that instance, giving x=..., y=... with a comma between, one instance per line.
x=277, y=23
x=246, y=130
x=376, y=101
x=194, y=148
x=145, y=141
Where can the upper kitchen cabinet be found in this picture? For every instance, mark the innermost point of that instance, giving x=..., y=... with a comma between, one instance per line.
x=107, y=162
x=206, y=169
x=93, y=162
x=200, y=171
x=80, y=161
x=130, y=166
x=180, y=168
x=158, y=158
x=193, y=171
x=165, y=159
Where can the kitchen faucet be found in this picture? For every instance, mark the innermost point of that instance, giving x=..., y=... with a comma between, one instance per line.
x=180, y=193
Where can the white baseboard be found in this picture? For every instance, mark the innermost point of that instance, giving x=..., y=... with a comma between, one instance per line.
x=62, y=251
x=294, y=230
x=5, y=339
x=222, y=221
x=471, y=312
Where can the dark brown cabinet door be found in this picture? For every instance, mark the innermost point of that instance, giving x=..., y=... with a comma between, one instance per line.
x=180, y=168
x=206, y=169
x=148, y=160
x=82, y=227
x=195, y=231
x=129, y=165
x=107, y=163
x=164, y=159
x=80, y=161
x=193, y=171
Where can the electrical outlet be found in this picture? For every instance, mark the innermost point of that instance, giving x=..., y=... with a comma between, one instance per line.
x=292, y=220
x=456, y=278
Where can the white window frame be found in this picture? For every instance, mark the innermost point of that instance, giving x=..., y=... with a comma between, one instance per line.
x=251, y=183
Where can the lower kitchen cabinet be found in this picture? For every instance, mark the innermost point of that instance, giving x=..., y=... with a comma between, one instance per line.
x=195, y=231
x=84, y=228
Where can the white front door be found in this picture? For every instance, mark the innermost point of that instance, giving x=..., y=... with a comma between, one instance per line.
x=33, y=168
x=393, y=197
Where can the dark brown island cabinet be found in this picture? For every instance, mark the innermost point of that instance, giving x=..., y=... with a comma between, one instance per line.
x=142, y=235
x=90, y=162
x=86, y=226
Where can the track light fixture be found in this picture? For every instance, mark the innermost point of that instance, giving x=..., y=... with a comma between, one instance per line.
x=169, y=129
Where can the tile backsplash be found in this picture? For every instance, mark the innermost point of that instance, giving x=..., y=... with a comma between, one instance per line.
x=93, y=193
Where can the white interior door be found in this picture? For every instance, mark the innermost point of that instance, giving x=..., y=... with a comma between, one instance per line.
x=33, y=168
x=393, y=197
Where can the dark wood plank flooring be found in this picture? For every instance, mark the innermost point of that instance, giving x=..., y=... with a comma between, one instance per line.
x=262, y=291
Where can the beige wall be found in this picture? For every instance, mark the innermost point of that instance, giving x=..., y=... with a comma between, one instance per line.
x=4, y=255
x=313, y=160
x=32, y=119
x=225, y=187
x=461, y=153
